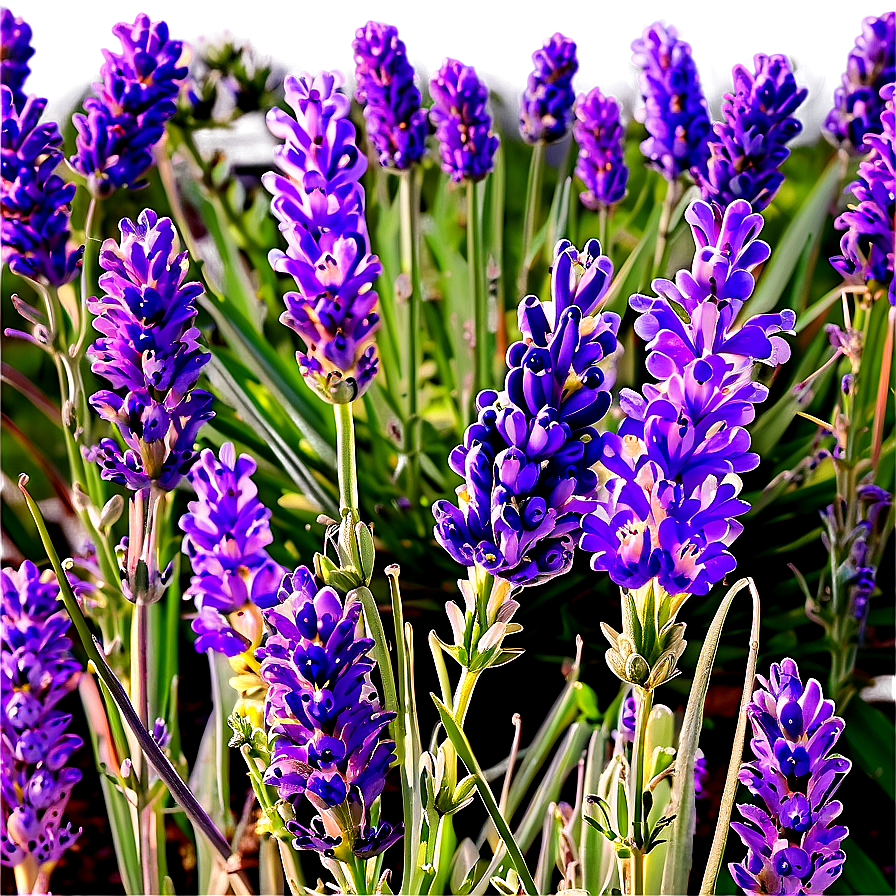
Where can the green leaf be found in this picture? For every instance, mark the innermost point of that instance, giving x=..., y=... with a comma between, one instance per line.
x=871, y=736
x=862, y=873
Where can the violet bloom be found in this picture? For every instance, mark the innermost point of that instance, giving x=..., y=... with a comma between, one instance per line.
x=867, y=244
x=793, y=845
x=149, y=350
x=677, y=117
x=396, y=125
x=225, y=536
x=463, y=126
x=324, y=717
x=15, y=51
x=546, y=106
x=37, y=670
x=750, y=142
x=34, y=201
x=669, y=505
x=870, y=66
x=527, y=460
x=319, y=203
x=135, y=97
x=601, y=161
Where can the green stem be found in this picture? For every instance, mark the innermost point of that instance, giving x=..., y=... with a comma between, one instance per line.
x=91, y=224
x=481, y=359
x=530, y=217
x=673, y=192
x=603, y=218
x=463, y=694
x=638, y=832
x=346, y=462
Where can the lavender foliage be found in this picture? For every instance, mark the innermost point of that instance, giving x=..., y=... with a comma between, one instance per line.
x=225, y=535
x=546, y=106
x=463, y=126
x=327, y=726
x=150, y=350
x=15, y=51
x=668, y=508
x=396, y=124
x=527, y=460
x=135, y=97
x=319, y=203
x=677, y=116
x=793, y=844
x=750, y=143
x=870, y=66
x=37, y=670
x=601, y=160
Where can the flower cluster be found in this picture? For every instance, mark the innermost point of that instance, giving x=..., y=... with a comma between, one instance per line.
x=325, y=718
x=15, y=51
x=546, y=106
x=668, y=507
x=677, y=116
x=37, y=670
x=319, y=203
x=867, y=244
x=870, y=66
x=33, y=200
x=463, y=126
x=750, y=143
x=601, y=160
x=526, y=461
x=150, y=349
x=793, y=845
x=135, y=97
x=225, y=535
x=396, y=125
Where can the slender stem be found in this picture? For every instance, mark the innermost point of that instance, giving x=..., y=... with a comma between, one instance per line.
x=26, y=875
x=603, y=217
x=346, y=462
x=463, y=695
x=141, y=645
x=673, y=192
x=94, y=215
x=530, y=217
x=644, y=699
x=481, y=360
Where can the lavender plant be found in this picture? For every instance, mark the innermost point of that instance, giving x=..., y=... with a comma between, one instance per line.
x=546, y=106
x=600, y=165
x=15, y=39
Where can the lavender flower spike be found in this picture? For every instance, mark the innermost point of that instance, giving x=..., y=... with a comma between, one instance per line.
x=33, y=200
x=546, y=106
x=463, y=127
x=320, y=205
x=135, y=97
x=750, y=141
x=325, y=719
x=396, y=125
x=225, y=535
x=150, y=350
x=37, y=669
x=870, y=66
x=601, y=162
x=677, y=116
x=793, y=845
x=15, y=51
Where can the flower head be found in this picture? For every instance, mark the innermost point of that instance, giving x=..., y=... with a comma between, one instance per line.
x=135, y=97
x=37, y=670
x=793, y=844
x=396, y=125
x=677, y=117
x=601, y=161
x=15, y=51
x=546, y=106
x=225, y=536
x=324, y=718
x=320, y=205
x=463, y=126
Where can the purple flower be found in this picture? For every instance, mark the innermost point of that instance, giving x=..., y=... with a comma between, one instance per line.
x=526, y=461
x=320, y=205
x=546, y=104
x=396, y=125
x=677, y=117
x=150, y=350
x=793, y=845
x=15, y=51
x=463, y=126
x=601, y=161
x=135, y=97
x=37, y=670
x=870, y=66
x=225, y=536
x=34, y=201
x=324, y=717
x=667, y=509
x=750, y=142
x=867, y=244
